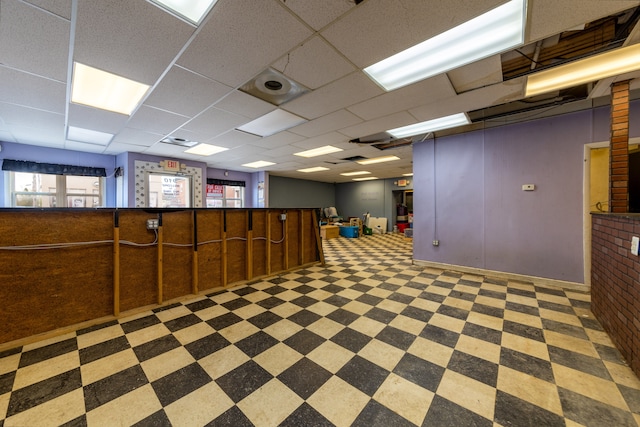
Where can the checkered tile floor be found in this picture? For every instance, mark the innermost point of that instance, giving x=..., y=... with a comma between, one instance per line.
x=367, y=340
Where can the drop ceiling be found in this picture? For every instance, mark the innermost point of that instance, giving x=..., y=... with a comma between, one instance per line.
x=196, y=72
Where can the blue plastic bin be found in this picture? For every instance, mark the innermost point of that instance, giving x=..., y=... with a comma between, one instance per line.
x=349, y=230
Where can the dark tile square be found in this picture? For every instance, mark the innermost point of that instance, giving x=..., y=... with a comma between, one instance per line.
x=223, y=321
x=416, y=285
x=430, y=296
x=369, y=299
x=465, y=296
x=304, y=377
x=589, y=412
x=180, y=383
x=528, y=364
x=488, y=310
x=343, y=317
x=522, y=308
x=10, y=352
x=275, y=290
x=355, y=279
x=92, y=328
x=452, y=274
x=207, y=345
x=512, y=411
x=270, y=302
x=363, y=375
x=303, y=279
x=333, y=289
x=200, y=305
x=419, y=371
x=304, y=317
x=482, y=333
x=401, y=298
x=103, y=349
x=351, y=340
x=388, y=286
x=580, y=362
x=441, y=284
x=304, y=301
x=495, y=281
x=444, y=413
x=396, y=337
x=632, y=397
x=474, y=367
x=166, y=307
x=182, y=322
x=565, y=329
x=80, y=421
x=6, y=382
x=305, y=415
x=304, y=341
x=244, y=291
x=337, y=300
x=47, y=352
x=382, y=316
x=610, y=354
x=264, y=320
x=556, y=307
x=257, y=343
x=549, y=291
x=138, y=324
x=470, y=283
x=493, y=294
x=521, y=292
x=244, y=380
x=439, y=335
x=114, y=386
x=235, y=304
x=454, y=312
x=524, y=331
x=580, y=304
x=43, y=391
x=375, y=414
x=361, y=288
x=591, y=324
x=234, y=417
x=304, y=289
x=157, y=419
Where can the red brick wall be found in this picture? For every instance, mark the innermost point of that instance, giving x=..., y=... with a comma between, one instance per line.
x=619, y=158
x=615, y=282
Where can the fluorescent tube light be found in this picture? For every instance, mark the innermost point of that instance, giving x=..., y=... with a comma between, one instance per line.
x=407, y=174
x=258, y=164
x=355, y=173
x=319, y=151
x=205, y=149
x=608, y=64
x=447, y=122
x=100, y=89
x=491, y=33
x=315, y=169
x=272, y=123
x=378, y=160
x=193, y=10
x=369, y=178
x=89, y=136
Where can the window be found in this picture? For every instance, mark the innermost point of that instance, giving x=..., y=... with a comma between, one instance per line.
x=224, y=196
x=39, y=190
x=168, y=190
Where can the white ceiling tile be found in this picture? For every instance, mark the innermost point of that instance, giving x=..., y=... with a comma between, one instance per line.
x=314, y=64
x=478, y=74
x=245, y=105
x=184, y=92
x=330, y=122
x=33, y=40
x=120, y=147
x=317, y=14
x=345, y=92
x=156, y=121
x=84, y=147
x=6, y=136
x=162, y=149
x=133, y=39
x=214, y=122
x=380, y=124
x=59, y=7
x=331, y=138
x=234, y=138
x=232, y=51
x=378, y=29
x=423, y=92
x=278, y=140
x=30, y=90
x=130, y=136
x=94, y=119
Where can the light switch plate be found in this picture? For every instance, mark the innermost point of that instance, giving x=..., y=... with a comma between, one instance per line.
x=634, y=245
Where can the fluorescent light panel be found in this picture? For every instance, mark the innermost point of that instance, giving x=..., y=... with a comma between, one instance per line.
x=369, y=178
x=491, y=33
x=272, y=123
x=608, y=64
x=191, y=10
x=407, y=174
x=89, y=136
x=100, y=89
x=327, y=149
x=315, y=169
x=447, y=122
x=355, y=173
x=205, y=149
x=258, y=164
x=378, y=160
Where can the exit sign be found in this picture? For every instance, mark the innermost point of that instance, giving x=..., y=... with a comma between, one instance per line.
x=172, y=165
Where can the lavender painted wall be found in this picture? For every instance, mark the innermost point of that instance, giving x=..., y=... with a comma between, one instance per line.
x=478, y=211
x=66, y=157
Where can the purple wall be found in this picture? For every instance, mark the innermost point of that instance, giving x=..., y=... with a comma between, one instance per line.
x=478, y=211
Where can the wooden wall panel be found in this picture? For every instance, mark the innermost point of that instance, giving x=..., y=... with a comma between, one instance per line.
x=177, y=269
x=236, y=245
x=209, y=249
x=42, y=290
x=277, y=243
x=293, y=238
x=310, y=248
x=259, y=253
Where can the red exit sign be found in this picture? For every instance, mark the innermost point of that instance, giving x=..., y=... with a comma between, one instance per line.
x=172, y=165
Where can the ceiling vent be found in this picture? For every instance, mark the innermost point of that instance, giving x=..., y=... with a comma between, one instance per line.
x=273, y=87
x=178, y=141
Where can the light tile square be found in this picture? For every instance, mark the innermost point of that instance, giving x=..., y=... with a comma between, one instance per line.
x=382, y=354
x=55, y=412
x=330, y=356
x=588, y=385
x=479, y=348
x=477, y=397
x=99, y=336
x=530, y=389
x=127, y=409
x=166, y=363
x=338, y=401
x=270, y=404
x=431, y=351
x=46, y=369
x=199, y=407
x=277, y=359
x=107, y=366
x=223, y=361
x=404, y=398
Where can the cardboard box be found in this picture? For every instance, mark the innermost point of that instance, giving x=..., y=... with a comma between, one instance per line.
x=329, y=231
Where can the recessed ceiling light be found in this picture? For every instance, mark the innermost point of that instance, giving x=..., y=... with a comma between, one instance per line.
x=319, y=151
x=88, y=136
x=193, y=11
x=205, y=149
x=258, y=164
x=369, y=178
x=612, y=63
x=440, y=123
x=272, y=123
x=493, y=32
x=316, y=169
x=355, y=173
x=100, y=89
x=378, y=160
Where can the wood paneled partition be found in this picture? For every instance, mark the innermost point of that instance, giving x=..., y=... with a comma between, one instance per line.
x=63, y=267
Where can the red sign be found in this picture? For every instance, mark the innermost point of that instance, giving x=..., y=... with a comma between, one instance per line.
x=214, y=190
x=172, y=165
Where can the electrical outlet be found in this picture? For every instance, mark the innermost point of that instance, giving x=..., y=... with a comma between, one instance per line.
x=152, y=224
x=436, y=243
x=283, y=217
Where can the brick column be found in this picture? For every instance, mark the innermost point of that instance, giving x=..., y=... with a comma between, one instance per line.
x=619, y=148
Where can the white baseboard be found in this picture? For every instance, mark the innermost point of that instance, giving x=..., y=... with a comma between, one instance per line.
x=538, y=281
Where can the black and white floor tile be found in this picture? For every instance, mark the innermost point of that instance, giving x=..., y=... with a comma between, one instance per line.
x=366, y=340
